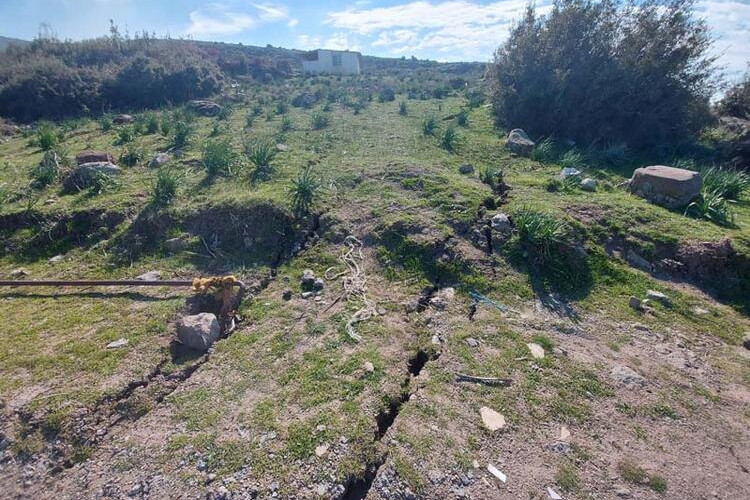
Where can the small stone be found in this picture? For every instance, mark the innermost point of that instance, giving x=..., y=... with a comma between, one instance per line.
x=55, y=259
x=118, y=343
x=282, y=147
x=500, y=222
x=307, y=295
x=553, y=494
x=569, y=172
x=627, y=375
x=50, y=201
x=307, y=281
x=211, y=478
x=442, y=298
x=564, y=433
x=475, y=464
x=412, y=306
x=635, y=303
x=18, y=273
x=588, y=184
x=149, y=276
x=274, y=486
x=160, y=159
x=699, y=311
x=319, y=284
x=472, y=342
x=369, y=367
x=201, y=465
x=466, y=169
x=623, y=493
x=321, y=489
x=198, y=331
x=435, y=339
x=286, y=294
x=492, y=420
x=537, y=351
x=136, y=490
x=321, y=450
x=653, y=295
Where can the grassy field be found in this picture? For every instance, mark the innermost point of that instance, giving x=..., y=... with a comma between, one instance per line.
x=286, y=405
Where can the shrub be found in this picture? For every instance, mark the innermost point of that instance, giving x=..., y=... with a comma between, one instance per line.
x=736, y=102
x=429, y=125
x=166, y=126
x=488, y=175
x=386, y=95
x=402, y=110
x=319, y=121
x=711, y=206
x=125, y=135
x=47, y=171
x=46, y=136
x=261, y=155
x=727, y=183
x=256, y=110
x=638, y=73
x=152, y=123
x=572, y=159
x=539, y=232
x=286, y=124
x=544, y=151
x=218, y=157
x=462, y=118
x=164, y=187
x=304, y=191
x=449, y=139
x=105, y=123
x=132, y=156
x=282, y=107
x=182, y=132
x=102, y=183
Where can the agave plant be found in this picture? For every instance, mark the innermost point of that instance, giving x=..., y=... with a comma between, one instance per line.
x=711, y=205
x=304, y=192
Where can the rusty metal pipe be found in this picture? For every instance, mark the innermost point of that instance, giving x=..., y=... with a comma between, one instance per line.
x=103, y=283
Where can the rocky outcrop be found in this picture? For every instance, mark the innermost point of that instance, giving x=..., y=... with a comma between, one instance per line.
x=84, y=175
x=519, y=142
x=666, y=186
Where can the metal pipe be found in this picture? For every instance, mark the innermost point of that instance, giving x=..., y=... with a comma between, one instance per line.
x=102, y=283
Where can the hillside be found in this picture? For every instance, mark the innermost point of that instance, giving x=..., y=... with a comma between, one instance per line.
x=440, y=346
x=5, y=42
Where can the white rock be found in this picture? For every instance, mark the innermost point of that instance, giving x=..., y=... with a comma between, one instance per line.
x=537, y=351
x=501, y=222
x=55, y=259
x=149, y=276
x=564, y=433
x=492, y=420
x=627, y=375
x=122, y=342
x=198, y=331
x=569, y=172
x=552, y=494
x=369, y=367
x=18, y=273
x=321, y=450
x=496, y=472
x=658, y=296
x=588, y=184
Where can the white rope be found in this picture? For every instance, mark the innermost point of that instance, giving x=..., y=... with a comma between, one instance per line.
x=354, y=283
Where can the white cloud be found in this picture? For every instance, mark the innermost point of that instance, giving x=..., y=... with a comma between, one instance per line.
x=456, y=28
x=340, y=41
x=730, y=22
x=293, y=22
x=224, y=19
x=307, y=42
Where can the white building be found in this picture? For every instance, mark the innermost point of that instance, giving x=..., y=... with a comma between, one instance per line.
x=340, y=62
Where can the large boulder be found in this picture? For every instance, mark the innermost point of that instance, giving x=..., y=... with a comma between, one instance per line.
x=84, y=175
x=519, y=142
x=92, y=156
x=204, y=108
x=198, y=331
x=666, y=186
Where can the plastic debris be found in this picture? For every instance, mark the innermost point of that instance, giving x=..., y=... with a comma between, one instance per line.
x=552, y=494
x=478, y=298
x=117, y=343
x=495, y=472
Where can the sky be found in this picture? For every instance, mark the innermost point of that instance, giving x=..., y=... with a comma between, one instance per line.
x=443, y=30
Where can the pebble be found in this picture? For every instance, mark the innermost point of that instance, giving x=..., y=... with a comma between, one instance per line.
x=149, y=276
x=627, y=375
x=623, y=493
x=55, y=259
x=18, y=273
x=472, y=342
x=653, y=295
x=369, y=367
x=491, y=419
x=321, y=450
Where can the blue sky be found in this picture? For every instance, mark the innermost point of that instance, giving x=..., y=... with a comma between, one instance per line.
x=445, y=30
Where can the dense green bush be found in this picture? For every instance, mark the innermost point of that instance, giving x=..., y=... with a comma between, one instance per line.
x=736, y=102
x=164, y=188
x=218, y=157
x=606, y=71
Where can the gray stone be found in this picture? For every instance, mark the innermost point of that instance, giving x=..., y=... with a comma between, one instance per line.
x=635, y=303
x=307, y=281
x=18, y=273
x=569, y=172
x=198, y=331
x=319, y=284
x=282, y=147
x=93, y=156
x=117, y=343
x=472, y=342
x=466, y=169
x=636, y=260
x=442, y=298
x=500, y=222
x=160, y=159
x=307, y=295
x=369, y=367
x=653, y=295
x=627, y=376
x=286, y=294
x=519, y=143
x=149, y=276
x=623, y=493
x=123, y=119
x=204, y=108
x=84, y=175
x=666, y=186
x=588, y=184
x=55, y=259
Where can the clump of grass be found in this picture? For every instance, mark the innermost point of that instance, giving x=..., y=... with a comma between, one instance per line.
x=318, y=121
x=634, y=473
x=47, y=171
x=164, y=187
x=218, y=157
x=256, y=110
x=572, y=159
x=152, y=123
x=449, y=139
x=282, y=107
x=386, y=95
x=260, y=155
x=728, y=183
x=105, y=123
x=429, y=125
x=286, y=124
x=402, y=109
x=488, y=175
x=166, y=126
x=125, y=135
x=567, y=478
x=182, y=132
x=462, y=118
x=539, y=232
x=132, y=156
x=46, y=136
x=544, y=151
x=102, y=183
x=224, y=113
x=304, y=191
x=712, y=206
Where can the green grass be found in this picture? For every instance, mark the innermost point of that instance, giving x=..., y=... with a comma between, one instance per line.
x=634, y=473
